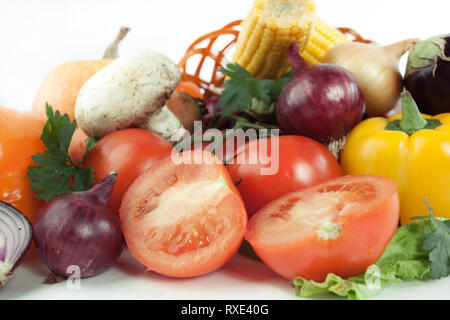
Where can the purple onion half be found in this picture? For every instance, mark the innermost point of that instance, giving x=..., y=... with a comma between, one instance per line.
x=15, y=238
x=323, y=102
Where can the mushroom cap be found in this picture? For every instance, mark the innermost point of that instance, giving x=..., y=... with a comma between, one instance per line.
x=126, y=93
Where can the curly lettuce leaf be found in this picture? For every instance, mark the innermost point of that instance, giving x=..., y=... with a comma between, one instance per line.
x=403, y=259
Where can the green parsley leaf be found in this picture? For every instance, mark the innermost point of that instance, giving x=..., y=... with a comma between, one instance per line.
x=242, y=88
x=437, y=243
x=286, y=78
x=54, y=173
x=90, y=143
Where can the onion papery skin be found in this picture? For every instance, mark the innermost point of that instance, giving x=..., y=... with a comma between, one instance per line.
x=323, y=102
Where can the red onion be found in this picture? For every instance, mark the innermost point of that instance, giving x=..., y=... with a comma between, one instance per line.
x=15, y=238
x=79, y=229
x=323, y=102
x=210, y=105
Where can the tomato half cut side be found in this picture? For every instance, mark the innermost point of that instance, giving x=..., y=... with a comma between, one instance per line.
x=342, y=226
x=183, y=219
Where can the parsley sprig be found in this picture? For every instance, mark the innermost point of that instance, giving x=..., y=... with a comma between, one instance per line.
x=54, y=172
x=437, y=243
x=243, y=92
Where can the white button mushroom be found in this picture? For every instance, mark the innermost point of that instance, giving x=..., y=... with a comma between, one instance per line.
x=130, y=92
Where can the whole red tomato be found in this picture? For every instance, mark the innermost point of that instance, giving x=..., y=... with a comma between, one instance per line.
x=128, y=152
x=223, y=143
x=297, y=162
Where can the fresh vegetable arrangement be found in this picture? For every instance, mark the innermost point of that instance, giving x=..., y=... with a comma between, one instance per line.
x=285, y=154
x=408, y=148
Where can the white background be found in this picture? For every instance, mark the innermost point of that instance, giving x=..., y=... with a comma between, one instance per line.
x=38, y=35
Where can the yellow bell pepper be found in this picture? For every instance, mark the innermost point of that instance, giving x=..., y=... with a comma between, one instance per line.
x=413, y=150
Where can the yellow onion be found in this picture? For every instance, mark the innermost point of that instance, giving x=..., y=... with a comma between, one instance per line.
x=376, y=69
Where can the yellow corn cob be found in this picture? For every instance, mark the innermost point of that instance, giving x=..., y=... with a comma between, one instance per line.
x=323, y=38
x=267, y=32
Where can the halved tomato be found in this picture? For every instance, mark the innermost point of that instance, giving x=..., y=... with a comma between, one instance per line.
x=183, y=219
x=342, y=226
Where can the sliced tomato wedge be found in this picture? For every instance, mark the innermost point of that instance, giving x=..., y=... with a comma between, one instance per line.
x=342, y=226
x=183, y=219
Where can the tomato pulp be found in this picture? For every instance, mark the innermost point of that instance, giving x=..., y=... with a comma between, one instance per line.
x=183, y=219
x=342, y=226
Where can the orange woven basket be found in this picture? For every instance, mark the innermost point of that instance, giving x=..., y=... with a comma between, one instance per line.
x=209, y=53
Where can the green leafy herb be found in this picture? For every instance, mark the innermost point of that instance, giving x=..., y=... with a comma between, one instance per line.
x=238, y=182
x=90, y=143
x=418, y=250
x=262, y=109
x=437, y=243
x=286, y=78
x=242, y=88
x=54, y=173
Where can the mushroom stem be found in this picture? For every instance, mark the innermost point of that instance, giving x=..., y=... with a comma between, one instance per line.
x=166, y=124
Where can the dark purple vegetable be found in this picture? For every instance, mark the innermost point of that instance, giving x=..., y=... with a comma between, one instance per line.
x=323, y=102
x=427, y=75
x=80, y=229
x=210, y=105
x=15, y=238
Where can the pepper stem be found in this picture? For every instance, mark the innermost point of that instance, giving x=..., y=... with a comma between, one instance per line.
x=412, y=120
